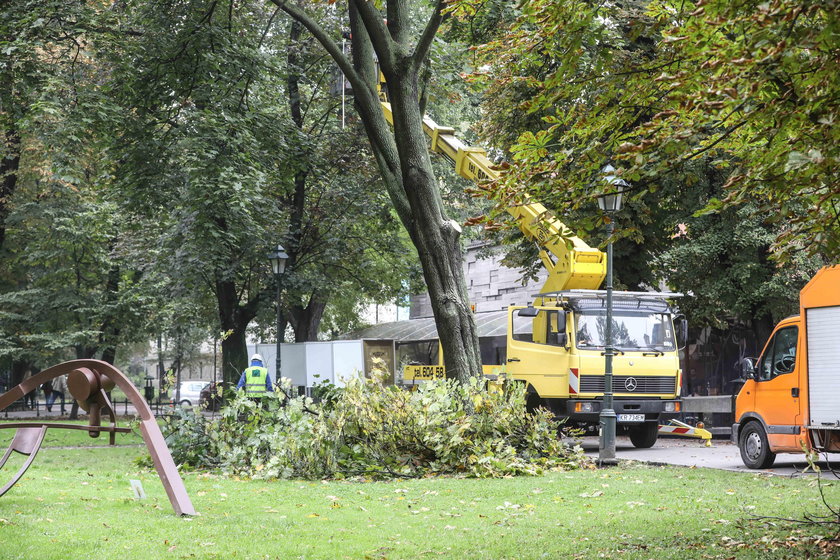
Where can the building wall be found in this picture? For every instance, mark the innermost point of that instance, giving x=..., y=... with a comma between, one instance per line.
x=491, y=286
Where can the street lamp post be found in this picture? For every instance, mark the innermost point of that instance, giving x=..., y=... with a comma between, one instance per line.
x=278, y=258
x=609, y=202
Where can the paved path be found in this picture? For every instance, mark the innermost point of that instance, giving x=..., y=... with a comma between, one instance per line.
x=693, y=453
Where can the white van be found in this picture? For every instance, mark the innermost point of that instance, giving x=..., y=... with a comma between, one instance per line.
x=190, y=392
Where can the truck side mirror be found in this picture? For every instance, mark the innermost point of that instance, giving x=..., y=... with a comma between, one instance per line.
x=528, y=312
x=559, y=339
x=748, y=368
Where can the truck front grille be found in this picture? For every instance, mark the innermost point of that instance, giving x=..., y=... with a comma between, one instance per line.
x=629, y=384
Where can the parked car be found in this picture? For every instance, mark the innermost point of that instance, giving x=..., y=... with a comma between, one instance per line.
x=190, y=392
x=214, y=394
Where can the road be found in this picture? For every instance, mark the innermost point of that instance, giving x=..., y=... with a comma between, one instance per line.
x=693, y=453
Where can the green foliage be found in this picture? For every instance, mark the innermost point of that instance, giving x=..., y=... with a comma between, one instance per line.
x=159, y=162
x=379, y=431
x=656, y=85
x=746, y=283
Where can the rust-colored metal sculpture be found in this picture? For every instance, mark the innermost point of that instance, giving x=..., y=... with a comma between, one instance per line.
x=89, y=381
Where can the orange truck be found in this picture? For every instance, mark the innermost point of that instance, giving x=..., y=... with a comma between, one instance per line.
x=790, y=400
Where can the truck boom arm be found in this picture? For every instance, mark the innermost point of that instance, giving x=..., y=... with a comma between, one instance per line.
x=570, y=262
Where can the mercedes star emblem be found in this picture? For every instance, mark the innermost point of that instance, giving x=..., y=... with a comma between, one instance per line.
x=631, y=384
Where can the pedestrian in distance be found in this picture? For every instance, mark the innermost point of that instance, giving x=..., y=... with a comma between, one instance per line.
x=47, y=390
x=59, y=388
x=30, y=397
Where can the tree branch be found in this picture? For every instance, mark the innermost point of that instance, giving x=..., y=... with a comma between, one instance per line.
x=421, y=51
x=717, y=141
x=326, y=41
x=378, y=33
x=396, y=22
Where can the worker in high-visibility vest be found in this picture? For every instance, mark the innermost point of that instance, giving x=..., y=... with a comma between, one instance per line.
x=255, y=379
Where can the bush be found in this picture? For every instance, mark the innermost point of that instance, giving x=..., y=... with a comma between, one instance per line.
x=374, y=430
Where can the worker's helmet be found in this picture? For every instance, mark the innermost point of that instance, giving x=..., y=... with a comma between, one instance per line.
x=256, y=357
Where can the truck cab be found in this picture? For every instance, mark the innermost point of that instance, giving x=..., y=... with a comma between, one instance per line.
x=558, y=347
x=769, y=404
x=790, y=400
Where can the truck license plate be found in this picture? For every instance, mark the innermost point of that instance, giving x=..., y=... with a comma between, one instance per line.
x=631, y=417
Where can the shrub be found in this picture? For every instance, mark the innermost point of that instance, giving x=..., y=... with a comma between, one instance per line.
x=374, y=430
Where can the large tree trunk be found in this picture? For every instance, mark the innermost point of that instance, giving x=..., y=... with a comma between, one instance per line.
x=111, y=328
x=434, y=234
x=234, y=319
x=405, y=165
x=306, y=320
x=403, y=159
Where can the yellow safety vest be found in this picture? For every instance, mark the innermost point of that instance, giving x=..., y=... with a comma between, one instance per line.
x=255, y=378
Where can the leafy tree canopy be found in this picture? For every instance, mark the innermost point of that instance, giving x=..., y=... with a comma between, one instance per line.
x=652, y=86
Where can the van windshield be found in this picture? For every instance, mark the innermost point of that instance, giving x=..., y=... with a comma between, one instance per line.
x=631, y=330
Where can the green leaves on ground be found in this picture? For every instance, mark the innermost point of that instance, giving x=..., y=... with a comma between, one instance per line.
x=379, y=431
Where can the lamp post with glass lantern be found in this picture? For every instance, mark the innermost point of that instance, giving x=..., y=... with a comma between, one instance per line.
x=609, y=202
x=278, y=258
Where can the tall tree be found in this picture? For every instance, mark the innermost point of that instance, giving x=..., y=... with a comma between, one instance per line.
x=384, y=41
x=40, y=42
x=232, y=145
x=343, y=241
x=66, y=291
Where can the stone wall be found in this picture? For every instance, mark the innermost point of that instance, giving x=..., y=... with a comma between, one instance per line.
x=492, y=286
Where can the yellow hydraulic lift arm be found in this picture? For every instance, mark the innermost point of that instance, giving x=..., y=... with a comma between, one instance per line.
x=571, y=263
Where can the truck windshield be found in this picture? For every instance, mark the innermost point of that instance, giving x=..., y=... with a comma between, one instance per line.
x=631, y=330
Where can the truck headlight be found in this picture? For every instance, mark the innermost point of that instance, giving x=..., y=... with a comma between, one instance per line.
x=672, y=406
x=584, y=407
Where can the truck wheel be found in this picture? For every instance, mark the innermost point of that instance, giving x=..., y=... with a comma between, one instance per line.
x=532, y=401
x=644, y=436
x=754, y=448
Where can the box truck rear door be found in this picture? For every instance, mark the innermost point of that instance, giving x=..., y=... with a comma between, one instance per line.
x=823, y=334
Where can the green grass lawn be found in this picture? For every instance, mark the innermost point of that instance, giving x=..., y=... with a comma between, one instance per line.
x=77, y=503
x=77, y=438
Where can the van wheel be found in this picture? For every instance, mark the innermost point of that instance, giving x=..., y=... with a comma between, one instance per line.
x=754, y=448
x=644, y=436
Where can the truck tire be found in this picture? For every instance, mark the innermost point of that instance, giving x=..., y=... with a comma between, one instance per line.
x=644, y=436
x=754, y=447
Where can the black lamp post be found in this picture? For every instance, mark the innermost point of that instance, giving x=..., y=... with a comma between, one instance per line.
x=609, y=202
x=278, y=258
